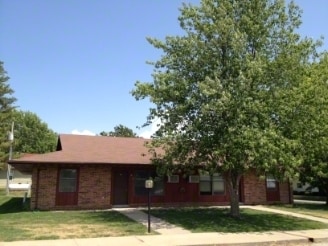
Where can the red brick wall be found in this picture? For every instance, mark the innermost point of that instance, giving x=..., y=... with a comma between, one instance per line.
x=44, y=190
x=94, y=188
x=255, y=190
x=285, y=192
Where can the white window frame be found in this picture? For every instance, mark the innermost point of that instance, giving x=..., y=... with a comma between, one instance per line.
x=271, y=182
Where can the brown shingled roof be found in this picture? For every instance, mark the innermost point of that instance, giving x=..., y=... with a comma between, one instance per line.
x=94, y=149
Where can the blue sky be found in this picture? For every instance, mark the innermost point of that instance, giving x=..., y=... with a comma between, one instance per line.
x=74, y=62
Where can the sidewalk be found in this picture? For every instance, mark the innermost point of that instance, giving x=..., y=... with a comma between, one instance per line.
x=193, y=239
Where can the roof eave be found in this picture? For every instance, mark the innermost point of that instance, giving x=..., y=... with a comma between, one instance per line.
x=21, y=162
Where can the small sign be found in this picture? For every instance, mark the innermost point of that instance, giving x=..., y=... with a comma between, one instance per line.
x=149, y=184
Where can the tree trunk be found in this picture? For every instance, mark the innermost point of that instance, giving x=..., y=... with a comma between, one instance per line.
x=234, y=204
x=232, y=181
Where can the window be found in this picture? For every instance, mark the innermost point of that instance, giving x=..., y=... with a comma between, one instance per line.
x=173, y=179
x=211, y=185
x=193, y=179
x=67, y=180
x=217, y=184
x=139, y=183
x=271, y=182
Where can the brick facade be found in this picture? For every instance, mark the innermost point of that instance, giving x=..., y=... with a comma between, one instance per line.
x=43, y=190
x=255, y=191
x=95, y=182
x=286, y=192
x=94, y=190
x=94, y=187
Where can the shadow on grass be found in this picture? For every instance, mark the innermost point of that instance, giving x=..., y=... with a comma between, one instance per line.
x=210, y=220
x=317, y=207
x=14, y=205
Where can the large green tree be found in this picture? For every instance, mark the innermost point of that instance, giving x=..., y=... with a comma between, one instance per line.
x=311, y=124
x=119, y=131
x=222, y=89
x=6, y=109
x=32, y=135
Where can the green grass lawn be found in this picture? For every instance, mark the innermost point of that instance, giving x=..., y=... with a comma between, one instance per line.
x=318, y=210
x=17, y=223
x=217, y=220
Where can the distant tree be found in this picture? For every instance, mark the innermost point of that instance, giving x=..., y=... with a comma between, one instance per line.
x=222, y=90
x=103, y=133
x=32, y=135
x=119, y=131
x=6, y=114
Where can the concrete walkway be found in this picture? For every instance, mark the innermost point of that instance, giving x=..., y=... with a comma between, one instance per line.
x=157, y=225
x=304, y=216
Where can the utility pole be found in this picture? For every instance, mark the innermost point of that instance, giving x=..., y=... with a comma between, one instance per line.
x=11, y=140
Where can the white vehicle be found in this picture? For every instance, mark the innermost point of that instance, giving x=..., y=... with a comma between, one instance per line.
x=299, y=188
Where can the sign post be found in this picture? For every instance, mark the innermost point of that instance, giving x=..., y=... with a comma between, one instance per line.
x=149, y=184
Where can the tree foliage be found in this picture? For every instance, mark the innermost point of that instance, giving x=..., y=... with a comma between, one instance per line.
x=6, y=109
x=119, y=131
x=311, y=124
x=32, y=135
x=222, y=90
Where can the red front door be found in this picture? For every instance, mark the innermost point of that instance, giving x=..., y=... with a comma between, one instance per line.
x=272, y=190
x=67, y=187
x=120, y=187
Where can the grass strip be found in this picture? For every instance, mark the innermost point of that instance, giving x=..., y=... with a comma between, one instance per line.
x=218, y=220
